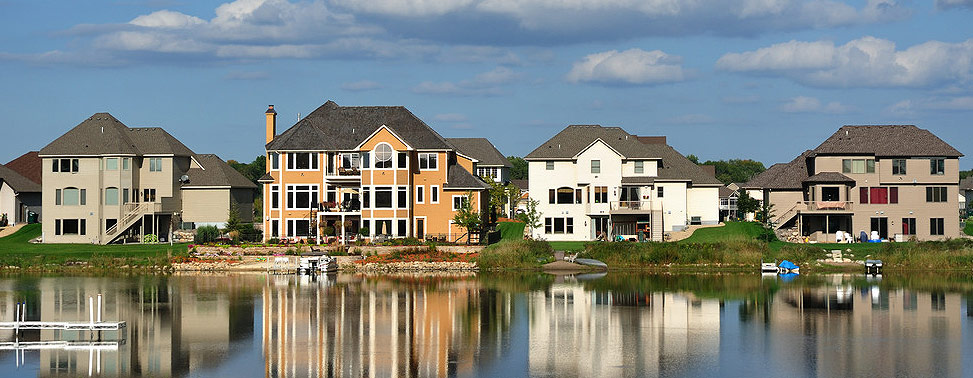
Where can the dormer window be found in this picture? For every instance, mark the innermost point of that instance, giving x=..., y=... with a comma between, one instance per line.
x=383, y=156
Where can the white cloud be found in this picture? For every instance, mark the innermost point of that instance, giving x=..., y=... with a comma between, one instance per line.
x=166, y=19
x=408, y=8
x=947, y=4
x=633, y=67
x=910, y=108
x=864, y=62
x=804, y=104
x=484, y=84
x=362, y=85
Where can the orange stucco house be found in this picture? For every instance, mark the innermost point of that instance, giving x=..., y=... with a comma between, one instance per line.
x=376, y=167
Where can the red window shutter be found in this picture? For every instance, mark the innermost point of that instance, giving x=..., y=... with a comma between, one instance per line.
x=863, y=195
x=879, y=195
x=894, y=195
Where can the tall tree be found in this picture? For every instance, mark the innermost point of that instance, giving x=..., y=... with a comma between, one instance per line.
x=519, y=170
x=467, y=217
x=531, y=217
x=733, y=170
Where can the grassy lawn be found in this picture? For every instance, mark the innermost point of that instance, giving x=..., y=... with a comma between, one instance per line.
x=969, y=227
x=732, y=231
x=567, y=245
x=511, y=230
x=16, y=250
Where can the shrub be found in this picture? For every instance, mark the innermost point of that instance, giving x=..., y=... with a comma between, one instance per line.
x=206, y=234
x=515, y=254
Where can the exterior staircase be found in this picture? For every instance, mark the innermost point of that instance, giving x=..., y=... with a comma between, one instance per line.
x=788, y=215
x=135, y=213
x=658, y=226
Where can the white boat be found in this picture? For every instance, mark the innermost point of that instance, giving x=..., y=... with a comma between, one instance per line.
x=317, y=264
x=769, y=268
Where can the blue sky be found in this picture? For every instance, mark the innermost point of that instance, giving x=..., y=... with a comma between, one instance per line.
x=762, y=79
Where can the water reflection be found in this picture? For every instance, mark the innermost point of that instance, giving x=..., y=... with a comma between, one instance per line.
x=618, y=325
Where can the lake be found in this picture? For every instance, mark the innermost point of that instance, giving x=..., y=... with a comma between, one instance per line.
x=495, y=325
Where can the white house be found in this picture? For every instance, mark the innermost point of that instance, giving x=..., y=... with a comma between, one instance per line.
x=594, y=182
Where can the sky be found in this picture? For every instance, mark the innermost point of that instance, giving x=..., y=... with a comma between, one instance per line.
x=722, y=79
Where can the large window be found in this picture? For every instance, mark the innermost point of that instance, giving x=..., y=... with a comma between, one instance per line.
x=111, y=164
x=898, y=166
x=111, y=196
x=639, y=167
x=350, y=161
x=70, y=227
x=601, y=194
x=383, y=197
x=564, y=196
x=937, y=226
x=908, y=226
x=858, y=165
x=302, y=161
x=936, y=194
x=155, y=164
x=403, y=160
x=299, y=228
x=65, y=165
x=558, y=225
x=148, y=195
x=302, y=197
x=383, y=156
x=596, y=166
x=70, y=197
x=878, y=195
x=428, y=161
x=937, y=166
x=459, y=202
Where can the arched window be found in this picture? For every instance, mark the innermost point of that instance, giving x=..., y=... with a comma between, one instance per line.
x=565, y=195
x=70, y=197
x=111, y=196
x=383, y=155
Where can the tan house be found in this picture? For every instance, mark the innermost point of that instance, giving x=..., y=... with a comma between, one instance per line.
x=898, y=181
x=105, y=182
x=374, y=167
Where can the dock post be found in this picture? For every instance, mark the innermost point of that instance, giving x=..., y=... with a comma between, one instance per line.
x=99, y=307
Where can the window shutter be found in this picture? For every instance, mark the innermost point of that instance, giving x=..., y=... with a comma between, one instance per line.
x=894, y=195
x=863, y=195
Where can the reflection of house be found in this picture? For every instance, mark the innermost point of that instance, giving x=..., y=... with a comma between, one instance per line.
x=105, y=182
x=592, y=181
x=575, y=332
x=858, y=323
x=894, y=180
x=375, y=167
x=489, y=161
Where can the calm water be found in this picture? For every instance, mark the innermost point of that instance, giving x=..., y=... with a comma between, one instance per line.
x=618, y=325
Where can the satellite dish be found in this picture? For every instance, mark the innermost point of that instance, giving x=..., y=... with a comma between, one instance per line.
x=184, y=179
x=383, y=152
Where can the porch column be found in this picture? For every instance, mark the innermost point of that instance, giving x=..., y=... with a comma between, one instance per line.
x=827, y=226
x=343, y=231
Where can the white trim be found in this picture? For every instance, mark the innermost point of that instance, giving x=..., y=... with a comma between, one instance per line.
x=193, y=158
x=373, y=159
x=466, y=156
x=452, y=203
x=315, y=188
x=270, y=193
x=315, y=160
x=420, y=199
x=398, y=189
x=425, y=225
x=372, y=135
x=419, y=160
x=208, y=187
x=593, y=143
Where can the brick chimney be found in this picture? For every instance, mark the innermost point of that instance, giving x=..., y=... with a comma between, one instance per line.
x=271, y=123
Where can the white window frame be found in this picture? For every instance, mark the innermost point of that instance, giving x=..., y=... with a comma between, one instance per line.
x=639, y=167
x=374, y=158
x=273, y=189
x=292, y=225
x=453, y=202
x=420, y=194
x=434, y=194
x=313, y=161
x=116, y=161
x=274, y=162
x=392, y=200
x=399, y=190
x=549, y=165
x=155, y=164
x=315, y=189
x=427, y=155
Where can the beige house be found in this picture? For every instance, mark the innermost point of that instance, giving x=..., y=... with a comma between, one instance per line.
x=105, y=182
x=898, y=181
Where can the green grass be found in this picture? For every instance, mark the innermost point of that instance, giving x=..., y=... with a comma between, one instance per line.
x=16, y=250
x=515, y=255
x=969, y=227
x=567, y=245
x=732, y=231
x=511, y=230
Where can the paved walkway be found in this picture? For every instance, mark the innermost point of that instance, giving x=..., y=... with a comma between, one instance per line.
x=679, y=235
x=10, y=230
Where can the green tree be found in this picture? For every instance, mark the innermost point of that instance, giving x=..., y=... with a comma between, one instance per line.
x=734, y=170
x=519, y=169
x=964, y=174
x=693, y=158
x=233, y=221
x=747, y=204
x=531, y=217
x=467, y=217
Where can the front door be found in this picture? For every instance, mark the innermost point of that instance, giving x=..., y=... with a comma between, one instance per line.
x=600, y=229
x=882, y=226
x=420, y=228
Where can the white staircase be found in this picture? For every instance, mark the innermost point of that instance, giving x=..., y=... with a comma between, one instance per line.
x=134, y=213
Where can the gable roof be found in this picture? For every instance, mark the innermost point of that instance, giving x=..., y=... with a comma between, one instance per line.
x=783, y=176
x=103, y=134
x=886, y=140
x=573, y=139
x=966, y=184
x=333, y=127
x=19, y=183
x=216, y=172
x=458, y=177
x=29, y=166
x=480, y=149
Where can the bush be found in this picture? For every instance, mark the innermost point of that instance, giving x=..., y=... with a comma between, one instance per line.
x=515, y=254
x=206, y=234
x=249, y=233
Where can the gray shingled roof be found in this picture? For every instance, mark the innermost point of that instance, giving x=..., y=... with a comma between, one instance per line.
x=522, y=184
x=886, y=140
x=103, y=134
x=829, y=177
x=966, y=184
x=726, y=192
x=216, y=172
x=575, y=138
x=459, y=178
x=480, y=149
x=637, y=180
x=19, y=183
x=333, y=127
x=789, y=176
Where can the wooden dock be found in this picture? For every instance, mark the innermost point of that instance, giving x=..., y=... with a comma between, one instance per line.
x=69, y=326
x=62, y=345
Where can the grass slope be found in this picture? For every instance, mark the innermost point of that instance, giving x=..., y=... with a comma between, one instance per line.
x=16, y=250
x=511, y=230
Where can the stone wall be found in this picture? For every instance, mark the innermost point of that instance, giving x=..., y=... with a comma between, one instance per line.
x=205, y=250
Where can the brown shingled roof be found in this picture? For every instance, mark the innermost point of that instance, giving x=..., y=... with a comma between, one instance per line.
x=789, y=176
x=829, y=177
x=29, y=166
x=480, y=149
x=19, y=183
x=886, y=140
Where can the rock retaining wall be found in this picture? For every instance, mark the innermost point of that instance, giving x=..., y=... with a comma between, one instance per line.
x=412, y=266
